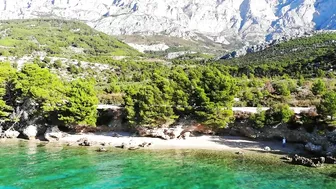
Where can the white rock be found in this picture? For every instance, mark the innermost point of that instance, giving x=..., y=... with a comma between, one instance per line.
x=30, y=131
x=224, y=21
x=11, y=134
x=143, y=48
x=53, y=134
x=177, y=54
x=267, y=149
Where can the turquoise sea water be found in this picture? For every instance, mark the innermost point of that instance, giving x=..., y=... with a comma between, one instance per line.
x=27, y=165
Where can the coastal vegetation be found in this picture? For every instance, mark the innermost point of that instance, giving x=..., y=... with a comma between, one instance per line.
x=78, y=71
x=34, y=94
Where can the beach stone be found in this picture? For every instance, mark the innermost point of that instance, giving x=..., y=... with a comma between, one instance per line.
x=145, y=144
x=319, y=160
x=124, y=145
x=101, y=150
x=11, y=134
x=84, y=142
x=30, y=132
x=130, y=145
x=53, y=134
x=313, y=148
x=267, y=149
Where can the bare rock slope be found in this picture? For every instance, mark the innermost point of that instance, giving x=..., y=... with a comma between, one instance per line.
x=220, y=21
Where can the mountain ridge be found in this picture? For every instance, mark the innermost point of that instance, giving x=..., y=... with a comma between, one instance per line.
x=224, y=22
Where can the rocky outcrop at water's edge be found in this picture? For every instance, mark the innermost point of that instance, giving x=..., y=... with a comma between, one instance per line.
x=310, y=162
x=54, y=134
x=313, y=142
x=165, y=133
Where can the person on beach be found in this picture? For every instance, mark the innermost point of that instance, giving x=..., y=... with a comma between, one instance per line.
x=284, y=142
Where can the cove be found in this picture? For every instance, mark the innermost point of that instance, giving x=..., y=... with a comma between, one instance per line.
x=31, y=165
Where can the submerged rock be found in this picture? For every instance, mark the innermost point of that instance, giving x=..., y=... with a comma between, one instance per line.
x=101, y=150
x=239, y=153
x=332, y=175
x=299, y=160
x=134, y=145
x=134, y=148
x=287, y=158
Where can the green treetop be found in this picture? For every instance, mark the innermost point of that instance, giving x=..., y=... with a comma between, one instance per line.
x=81, y=104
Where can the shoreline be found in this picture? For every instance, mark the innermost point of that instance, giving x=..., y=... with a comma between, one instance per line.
x=205, y=142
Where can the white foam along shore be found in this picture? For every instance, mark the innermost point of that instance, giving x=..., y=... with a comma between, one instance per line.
x=205, y=142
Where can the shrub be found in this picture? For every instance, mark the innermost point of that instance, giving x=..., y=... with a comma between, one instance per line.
x=282, y=89
x=58, y=64
x=319, y=87
x=327, y=106
x=279, y=113
x=259, y=118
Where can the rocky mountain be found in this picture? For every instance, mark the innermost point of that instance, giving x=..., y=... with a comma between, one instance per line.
x=225, y=22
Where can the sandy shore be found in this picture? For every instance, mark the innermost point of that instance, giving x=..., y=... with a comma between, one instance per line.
x=202, y=142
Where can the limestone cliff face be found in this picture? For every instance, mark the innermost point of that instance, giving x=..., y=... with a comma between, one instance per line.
x=221, y=21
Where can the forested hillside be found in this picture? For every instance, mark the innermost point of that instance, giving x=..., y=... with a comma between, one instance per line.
x=58, y=38
x=303, y=56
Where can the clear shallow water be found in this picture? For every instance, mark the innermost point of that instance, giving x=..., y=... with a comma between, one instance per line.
x=26, y=165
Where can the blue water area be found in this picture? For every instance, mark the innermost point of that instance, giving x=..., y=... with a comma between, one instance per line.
x=31, y=165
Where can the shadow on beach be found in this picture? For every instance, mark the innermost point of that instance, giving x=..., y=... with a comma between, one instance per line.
x=258, y=145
